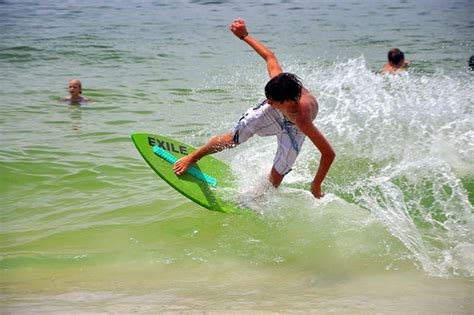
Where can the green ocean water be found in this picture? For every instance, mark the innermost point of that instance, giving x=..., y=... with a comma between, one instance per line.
x=87, y=227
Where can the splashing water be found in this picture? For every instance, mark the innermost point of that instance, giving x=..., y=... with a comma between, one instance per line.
x=424, y=205
x=388, y=117
x=414, y=136
x=404, y=146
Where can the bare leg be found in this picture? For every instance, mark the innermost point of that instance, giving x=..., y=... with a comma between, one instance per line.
x=275, y=178
x=216, y=144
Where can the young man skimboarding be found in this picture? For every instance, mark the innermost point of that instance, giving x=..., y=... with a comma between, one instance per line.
x=288, y=113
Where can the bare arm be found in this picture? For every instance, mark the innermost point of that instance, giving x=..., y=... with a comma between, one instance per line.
x=327, y=153
x=216, y=144
x=239, y=29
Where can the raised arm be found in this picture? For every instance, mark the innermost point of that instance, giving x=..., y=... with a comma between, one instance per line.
x=240, y=30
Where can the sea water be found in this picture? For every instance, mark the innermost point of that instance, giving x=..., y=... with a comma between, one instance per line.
x=87, y=227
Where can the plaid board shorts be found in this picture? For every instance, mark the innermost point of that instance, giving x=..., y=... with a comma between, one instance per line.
x=264, y=120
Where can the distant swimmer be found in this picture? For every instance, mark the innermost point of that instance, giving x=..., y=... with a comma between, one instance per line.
x=471, y=63
x=396, y=62
x=287, y=113
x=75, y=91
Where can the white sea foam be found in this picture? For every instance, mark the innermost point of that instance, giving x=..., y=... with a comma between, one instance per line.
x=403, y=143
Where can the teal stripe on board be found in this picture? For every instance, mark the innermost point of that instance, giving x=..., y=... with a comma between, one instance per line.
x=194, y=172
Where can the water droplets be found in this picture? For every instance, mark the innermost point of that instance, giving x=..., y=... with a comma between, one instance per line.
x=404, y=143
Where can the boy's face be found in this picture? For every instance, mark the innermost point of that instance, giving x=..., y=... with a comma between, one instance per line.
x=74, y=88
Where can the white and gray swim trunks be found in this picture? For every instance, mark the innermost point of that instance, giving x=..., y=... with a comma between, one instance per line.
x=264, y=120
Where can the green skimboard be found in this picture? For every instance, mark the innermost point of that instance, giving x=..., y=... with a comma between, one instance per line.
x=208, y=182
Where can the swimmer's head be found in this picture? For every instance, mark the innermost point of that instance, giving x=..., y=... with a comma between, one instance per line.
x=75, y=87
x=471, y=63
x=396, y=57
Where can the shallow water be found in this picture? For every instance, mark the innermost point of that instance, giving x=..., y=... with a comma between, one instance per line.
x=87, y=227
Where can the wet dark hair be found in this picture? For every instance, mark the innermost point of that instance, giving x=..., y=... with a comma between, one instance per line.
x=395, y=56
x=471, y=63
x=283, y=87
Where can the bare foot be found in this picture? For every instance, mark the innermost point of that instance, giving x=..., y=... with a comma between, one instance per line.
x=183, y=164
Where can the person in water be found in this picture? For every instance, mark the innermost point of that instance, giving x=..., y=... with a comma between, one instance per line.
x=471, y=63
x=288, y=113
x=396, y=62
x=75, y=91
